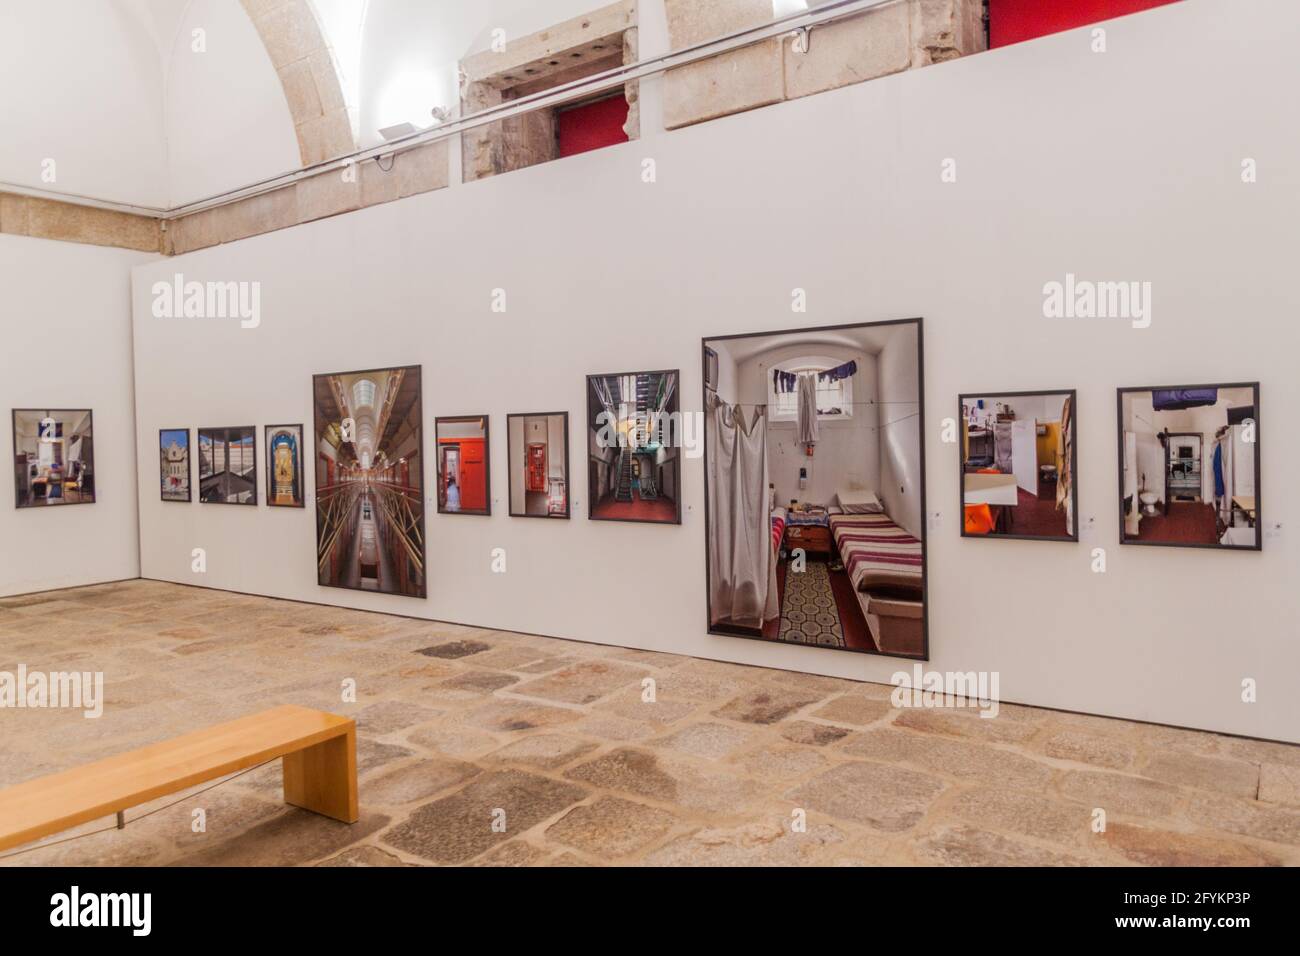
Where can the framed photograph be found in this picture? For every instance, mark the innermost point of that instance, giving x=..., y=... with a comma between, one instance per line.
x=174, y=464
x=814, y=477
x=1190, y=466
x=464, y=460
x=537, y=459
x=54, y=457
x=284, y=466
x=1018, y=469
x=228, y=465
x=369, y=467
x=633, y=446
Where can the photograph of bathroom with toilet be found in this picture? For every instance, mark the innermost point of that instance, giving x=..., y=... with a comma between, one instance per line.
x=1190, y=466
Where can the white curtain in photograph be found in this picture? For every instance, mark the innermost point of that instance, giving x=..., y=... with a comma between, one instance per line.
x=806, y=422
x=742, y=586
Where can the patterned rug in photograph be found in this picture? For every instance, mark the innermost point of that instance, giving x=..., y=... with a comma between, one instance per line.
x=808, y=612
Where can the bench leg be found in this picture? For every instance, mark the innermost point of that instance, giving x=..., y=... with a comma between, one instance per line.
x=323, y=778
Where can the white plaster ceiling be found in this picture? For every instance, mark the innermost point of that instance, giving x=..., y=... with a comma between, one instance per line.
x=114, y=93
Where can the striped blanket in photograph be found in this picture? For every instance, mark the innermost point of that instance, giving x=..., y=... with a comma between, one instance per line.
x=778, y=528
x=878, y=555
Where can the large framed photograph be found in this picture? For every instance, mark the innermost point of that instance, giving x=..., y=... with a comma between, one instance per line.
x=284, y=466
x=1190, y=465
x=369, y=467
x=174, y=464
x=464, y=465
x=537, y=459
x=633, y=445
x=54, y=457
x=1018, y=469
x=814, y=470
x=228, y=465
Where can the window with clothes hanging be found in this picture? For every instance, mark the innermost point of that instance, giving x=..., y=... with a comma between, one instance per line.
x=834, y=390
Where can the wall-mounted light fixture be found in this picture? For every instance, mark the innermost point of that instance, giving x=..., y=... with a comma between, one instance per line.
x=397, y=131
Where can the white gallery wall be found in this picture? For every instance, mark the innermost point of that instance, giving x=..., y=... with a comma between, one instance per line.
x=1117, y=166
x=66, y=315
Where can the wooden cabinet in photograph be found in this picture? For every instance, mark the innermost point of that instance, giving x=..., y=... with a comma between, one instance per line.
x=536, y=477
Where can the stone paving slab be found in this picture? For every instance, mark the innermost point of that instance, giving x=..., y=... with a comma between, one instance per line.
x=590, y=755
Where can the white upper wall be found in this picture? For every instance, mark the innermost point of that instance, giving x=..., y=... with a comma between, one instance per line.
x=82, y=87
x=227, y=121
x=129, y=111
x=117, y=95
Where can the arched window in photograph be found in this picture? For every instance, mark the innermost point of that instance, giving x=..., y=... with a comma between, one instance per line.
x=834, y=394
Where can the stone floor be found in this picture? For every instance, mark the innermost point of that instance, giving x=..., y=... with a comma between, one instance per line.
x=557, y=744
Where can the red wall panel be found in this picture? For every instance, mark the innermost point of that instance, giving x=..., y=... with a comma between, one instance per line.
x=473, y=475
x=1011, y=21
x=592, y=125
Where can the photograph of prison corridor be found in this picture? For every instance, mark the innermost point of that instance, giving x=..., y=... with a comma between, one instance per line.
x=631, y=475
x=369, y=497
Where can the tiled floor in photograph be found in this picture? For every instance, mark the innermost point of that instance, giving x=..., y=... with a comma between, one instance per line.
x=460, y=727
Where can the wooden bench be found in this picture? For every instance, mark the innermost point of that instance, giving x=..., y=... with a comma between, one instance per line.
x=319, y=752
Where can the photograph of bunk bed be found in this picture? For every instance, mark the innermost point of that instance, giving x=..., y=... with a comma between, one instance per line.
x=814, y=481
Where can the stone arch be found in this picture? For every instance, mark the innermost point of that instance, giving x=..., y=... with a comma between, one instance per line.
x=304, y=61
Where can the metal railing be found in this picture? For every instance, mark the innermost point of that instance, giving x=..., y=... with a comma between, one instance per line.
x=799, y=22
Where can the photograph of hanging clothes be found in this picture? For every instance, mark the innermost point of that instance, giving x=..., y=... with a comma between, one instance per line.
x=815, y=487
x=1018, y=465
x=1189, y=466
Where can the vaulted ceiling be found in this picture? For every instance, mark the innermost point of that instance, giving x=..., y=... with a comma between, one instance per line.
x=157, y=103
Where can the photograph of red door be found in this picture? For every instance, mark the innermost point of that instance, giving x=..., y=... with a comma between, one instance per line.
x=463, y=465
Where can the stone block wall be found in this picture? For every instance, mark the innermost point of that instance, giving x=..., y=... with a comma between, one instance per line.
x=71, y=222
x=897, y=37
x=417, y=170
x=577, y=48
x=309, y=75
x=903, y=35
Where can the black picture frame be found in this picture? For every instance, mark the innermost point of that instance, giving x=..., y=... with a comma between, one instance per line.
x=726, y=631
x=591, y=411
x=270, y=466
x=189, y=466
x=510, y=469
x=1258, y=459
x=423, y=591
x=487, y=464
x=13, y=423
x=1073, y=396
x=227, y=429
